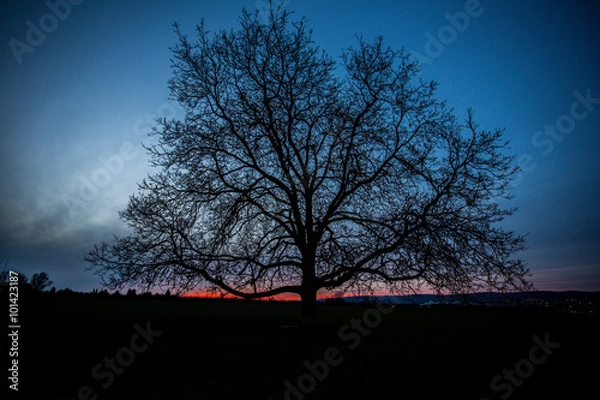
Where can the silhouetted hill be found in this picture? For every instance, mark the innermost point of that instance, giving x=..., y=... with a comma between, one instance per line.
x=560, y=300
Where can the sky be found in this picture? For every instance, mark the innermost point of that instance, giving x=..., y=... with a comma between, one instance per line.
x=83, y=81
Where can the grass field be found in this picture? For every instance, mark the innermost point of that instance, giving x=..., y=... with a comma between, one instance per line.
x=200, y=349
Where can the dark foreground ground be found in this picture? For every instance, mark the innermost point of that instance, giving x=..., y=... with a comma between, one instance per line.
x=95, y=349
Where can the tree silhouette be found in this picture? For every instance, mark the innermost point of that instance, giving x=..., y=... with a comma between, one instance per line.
x=289, y=175
x=40, y=281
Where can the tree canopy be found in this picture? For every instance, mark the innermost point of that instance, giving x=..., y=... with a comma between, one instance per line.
x=293, y=171
x=40, y=281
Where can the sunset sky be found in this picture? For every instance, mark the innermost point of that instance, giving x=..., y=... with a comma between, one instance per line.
x=82, y=82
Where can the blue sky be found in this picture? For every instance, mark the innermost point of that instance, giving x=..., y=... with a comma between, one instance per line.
x=77, y=100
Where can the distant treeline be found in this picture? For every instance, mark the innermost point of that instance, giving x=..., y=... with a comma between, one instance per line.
x=40, y=283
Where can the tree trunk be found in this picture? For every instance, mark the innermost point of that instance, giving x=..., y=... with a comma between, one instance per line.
x=308, y=307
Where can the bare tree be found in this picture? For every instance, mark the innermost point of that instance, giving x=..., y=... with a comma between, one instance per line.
x=40, y=281
x=289, y=175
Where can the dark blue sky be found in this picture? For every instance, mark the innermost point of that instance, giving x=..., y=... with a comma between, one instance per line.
x=81, y=85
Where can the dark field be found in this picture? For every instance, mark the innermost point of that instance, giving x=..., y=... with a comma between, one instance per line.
x=239, y=350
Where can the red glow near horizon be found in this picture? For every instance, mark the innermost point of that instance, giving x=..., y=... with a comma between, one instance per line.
x=283, y=296
x=207, y=295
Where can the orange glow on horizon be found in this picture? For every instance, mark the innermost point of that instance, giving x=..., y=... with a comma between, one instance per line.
x=228, y=296
x=324, y=295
